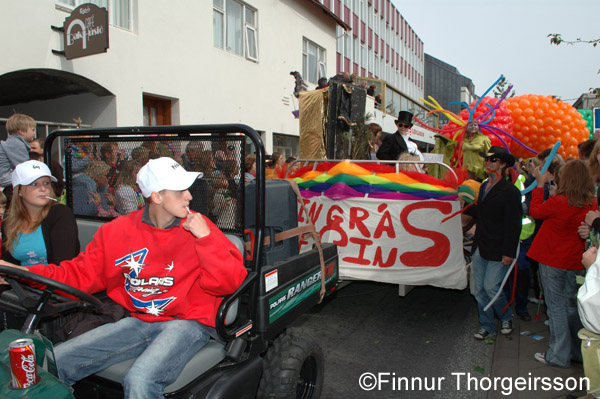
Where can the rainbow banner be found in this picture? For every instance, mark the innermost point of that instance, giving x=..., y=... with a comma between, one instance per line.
x=343, y=180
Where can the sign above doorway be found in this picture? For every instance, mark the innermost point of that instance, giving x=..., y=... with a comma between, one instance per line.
x=85, y=31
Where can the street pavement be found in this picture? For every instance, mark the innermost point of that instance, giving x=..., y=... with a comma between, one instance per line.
x=421, y=346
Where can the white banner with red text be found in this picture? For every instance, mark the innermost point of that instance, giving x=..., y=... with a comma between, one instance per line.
x=391, y=241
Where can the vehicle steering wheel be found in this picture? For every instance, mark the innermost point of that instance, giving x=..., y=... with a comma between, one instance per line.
x=38, y=307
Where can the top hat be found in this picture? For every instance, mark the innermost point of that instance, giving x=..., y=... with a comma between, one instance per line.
x=500, y=153
x=404, y=117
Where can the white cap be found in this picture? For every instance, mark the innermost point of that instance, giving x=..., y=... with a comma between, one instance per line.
x=164, y=174
x=27, y=172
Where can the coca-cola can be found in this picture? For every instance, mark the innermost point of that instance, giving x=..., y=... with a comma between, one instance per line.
x=23, y=368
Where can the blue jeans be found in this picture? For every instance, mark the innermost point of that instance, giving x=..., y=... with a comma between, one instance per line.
x=162, y=350
x=488, y=277
x=560, y=293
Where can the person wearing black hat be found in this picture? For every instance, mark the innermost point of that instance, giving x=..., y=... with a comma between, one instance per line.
x=498, y=215
x=395, y=144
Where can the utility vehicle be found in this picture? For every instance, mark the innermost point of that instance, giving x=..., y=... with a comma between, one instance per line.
x=256, y=351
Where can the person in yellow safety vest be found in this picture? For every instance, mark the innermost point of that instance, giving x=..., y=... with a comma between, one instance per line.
x=523, y=263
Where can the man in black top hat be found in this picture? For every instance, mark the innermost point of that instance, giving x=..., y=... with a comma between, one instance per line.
x=395, y=144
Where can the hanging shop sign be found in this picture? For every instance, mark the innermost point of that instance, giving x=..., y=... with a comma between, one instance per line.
x=86, y=31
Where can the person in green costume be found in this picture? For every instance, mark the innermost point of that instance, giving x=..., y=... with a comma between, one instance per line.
x=474, y=142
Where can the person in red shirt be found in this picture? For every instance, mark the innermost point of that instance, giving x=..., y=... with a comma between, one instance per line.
x=558, y=249
x=170, y=268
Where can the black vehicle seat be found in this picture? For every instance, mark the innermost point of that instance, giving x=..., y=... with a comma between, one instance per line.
x=209, y=356
x=86, y=230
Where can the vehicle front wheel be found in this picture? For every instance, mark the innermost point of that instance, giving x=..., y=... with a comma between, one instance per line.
x=292, y=368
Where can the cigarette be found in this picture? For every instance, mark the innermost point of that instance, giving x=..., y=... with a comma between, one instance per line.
x=53, y=199
x=188, y=209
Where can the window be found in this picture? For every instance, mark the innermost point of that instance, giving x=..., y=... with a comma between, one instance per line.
x=287, y=145
x=363, y=56
x=234, y=28
x=340, y=33
x=363, y=10
x=313, y=62
x=218, y=24
x=348, y=45
x=119, y=11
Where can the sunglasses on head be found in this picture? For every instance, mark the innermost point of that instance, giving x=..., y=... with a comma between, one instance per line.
x=406, y=125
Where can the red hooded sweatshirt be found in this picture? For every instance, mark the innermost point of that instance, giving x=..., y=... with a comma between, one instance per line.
x=157, y=274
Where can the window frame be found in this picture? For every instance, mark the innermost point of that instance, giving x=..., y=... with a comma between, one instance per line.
x=321, y=61
x=250, y=51
x=67, y=7
x=221, y=11
x=252, y=28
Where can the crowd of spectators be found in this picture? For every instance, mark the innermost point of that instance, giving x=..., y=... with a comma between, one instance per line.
x=558, y=220
x=553, y=224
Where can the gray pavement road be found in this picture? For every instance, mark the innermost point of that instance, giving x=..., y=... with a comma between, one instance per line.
x=424, y=338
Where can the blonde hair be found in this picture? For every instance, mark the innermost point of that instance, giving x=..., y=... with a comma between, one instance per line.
x=96, y=168
x=407, y=156
x=128, y=174
x=19, y=220
x=19, y=122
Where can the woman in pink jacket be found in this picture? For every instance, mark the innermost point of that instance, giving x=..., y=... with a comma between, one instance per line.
x=558, y=248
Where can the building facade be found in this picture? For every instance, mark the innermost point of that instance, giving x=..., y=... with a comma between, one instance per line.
x=383, y=50
x=381, y=44
x=445, y=83
x=587, y=101
x=167, y=62
x=196, y=62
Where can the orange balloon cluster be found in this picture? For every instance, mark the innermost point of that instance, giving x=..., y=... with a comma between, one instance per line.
x=541, y=121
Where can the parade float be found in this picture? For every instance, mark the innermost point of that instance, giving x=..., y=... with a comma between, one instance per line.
x=402, y=227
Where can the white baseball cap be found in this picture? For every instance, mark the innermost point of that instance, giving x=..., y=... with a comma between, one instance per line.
x=164, y=174
x=27, y=172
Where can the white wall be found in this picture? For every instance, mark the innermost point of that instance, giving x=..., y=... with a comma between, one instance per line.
x=170, y=53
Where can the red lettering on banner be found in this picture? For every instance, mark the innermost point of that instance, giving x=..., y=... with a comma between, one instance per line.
x=313, y=215
x=301, y=242
x=333, y=223
x=438, y=253
x=378, y=258
x=360, y=260
x=385, y=223
x=313, y=212
x=357, y=217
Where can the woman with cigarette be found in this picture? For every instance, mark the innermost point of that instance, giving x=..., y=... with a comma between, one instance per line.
x=37, y=229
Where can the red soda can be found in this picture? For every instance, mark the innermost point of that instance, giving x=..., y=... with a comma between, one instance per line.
x=23, y=368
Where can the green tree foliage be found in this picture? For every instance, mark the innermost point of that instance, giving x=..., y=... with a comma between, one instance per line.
x=501, y=88
x=556, y=38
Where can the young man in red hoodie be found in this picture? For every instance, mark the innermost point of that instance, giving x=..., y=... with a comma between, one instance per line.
x=170, y=268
